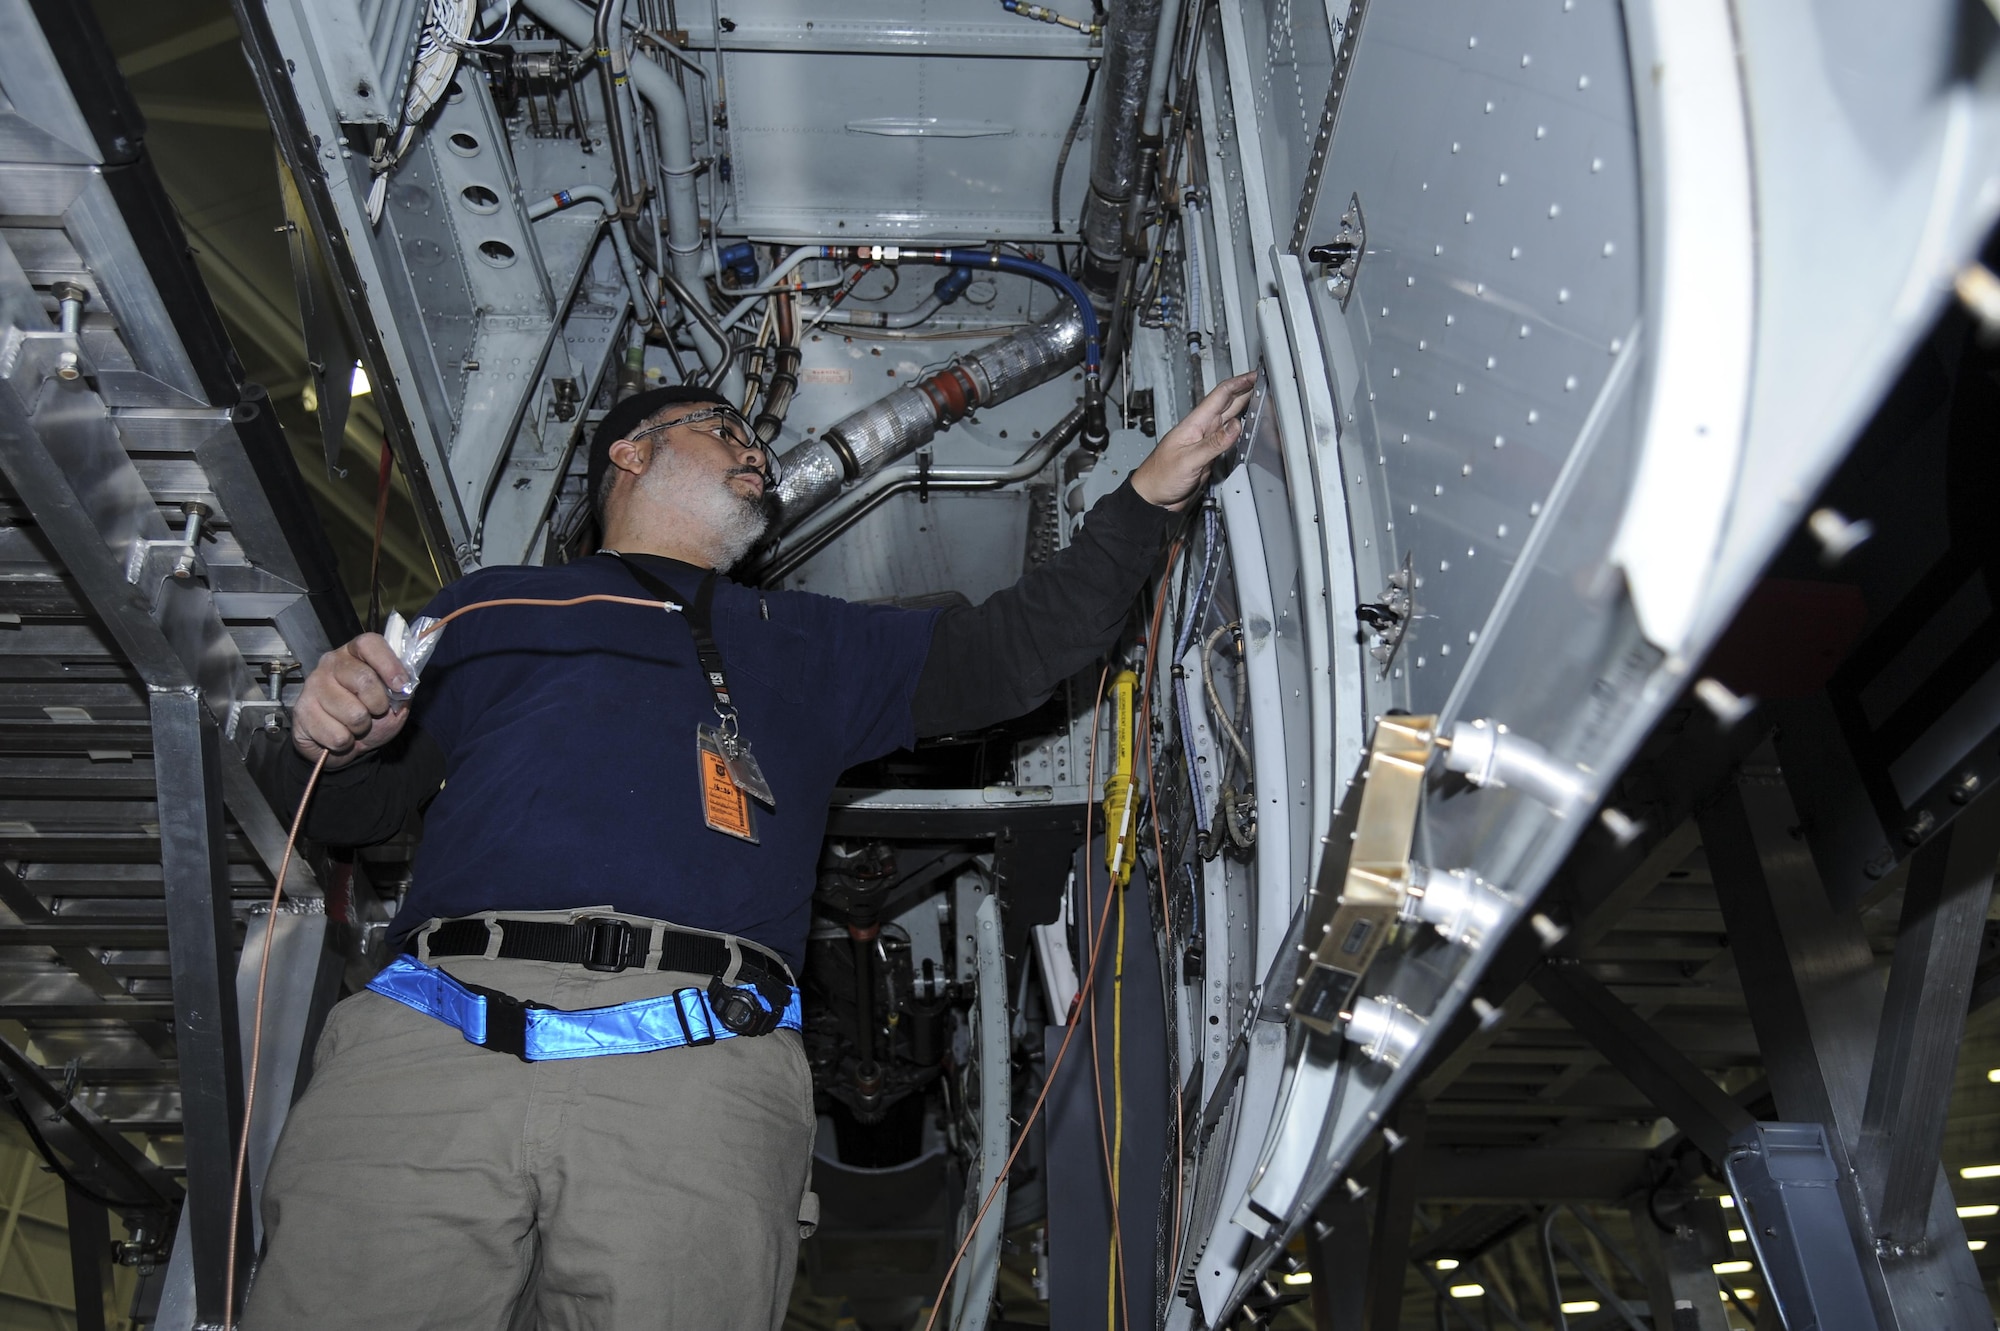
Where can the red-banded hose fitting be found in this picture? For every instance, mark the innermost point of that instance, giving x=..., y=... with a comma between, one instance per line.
x=952, y=392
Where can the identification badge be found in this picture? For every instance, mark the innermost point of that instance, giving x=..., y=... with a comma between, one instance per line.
x=724, y=805
x=742, y=763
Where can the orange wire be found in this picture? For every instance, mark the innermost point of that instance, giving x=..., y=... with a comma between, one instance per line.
x=1069, y=1030
x=257, y=1046
x=536, y=600
x=264, y=963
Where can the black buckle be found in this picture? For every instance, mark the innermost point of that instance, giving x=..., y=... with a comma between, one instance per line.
x=506, y=1021
x=687, y=1032
x=609, y=945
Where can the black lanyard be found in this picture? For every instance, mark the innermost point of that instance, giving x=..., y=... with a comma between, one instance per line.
x=700, y=621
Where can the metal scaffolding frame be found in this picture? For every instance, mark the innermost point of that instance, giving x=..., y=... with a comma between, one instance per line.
x=162, y=575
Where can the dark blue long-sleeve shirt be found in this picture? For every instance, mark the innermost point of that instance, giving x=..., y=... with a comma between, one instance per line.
x=564, y=739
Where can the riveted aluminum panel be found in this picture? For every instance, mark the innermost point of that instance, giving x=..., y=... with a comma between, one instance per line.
x=1502, y=269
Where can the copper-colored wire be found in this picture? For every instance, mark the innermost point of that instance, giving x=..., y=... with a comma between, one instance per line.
x=1069, y=1030
x=277, y=897
x=537, y=600
x=257, y=1045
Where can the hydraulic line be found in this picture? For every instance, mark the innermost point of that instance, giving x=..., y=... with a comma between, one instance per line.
x=698, y=307
x=645, y=306
x=1069, y=141
x=784, y=373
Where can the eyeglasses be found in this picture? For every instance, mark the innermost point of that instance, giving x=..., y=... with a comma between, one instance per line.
x=726, y=424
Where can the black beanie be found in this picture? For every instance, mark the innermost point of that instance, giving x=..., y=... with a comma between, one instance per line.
x=628, y=415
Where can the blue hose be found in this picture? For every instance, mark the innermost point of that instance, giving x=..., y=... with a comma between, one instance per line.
x=1041, y=272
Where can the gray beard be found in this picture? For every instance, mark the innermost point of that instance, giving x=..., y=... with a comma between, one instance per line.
x=733, y=522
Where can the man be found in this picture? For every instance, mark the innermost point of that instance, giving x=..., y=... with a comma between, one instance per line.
x=602, y=841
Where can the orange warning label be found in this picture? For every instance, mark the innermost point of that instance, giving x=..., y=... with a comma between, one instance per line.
x=723, y=806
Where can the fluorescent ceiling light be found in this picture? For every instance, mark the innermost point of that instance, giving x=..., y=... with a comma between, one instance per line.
x=1746, y=1294
x=1731, y=1268
x=1299, y=1278
x=1977, y=1245
x=1978, y=1212
x=1446, y=1263
x=1980, y=1171
x=1467, y=1291
x=1729, y=1203
x=1739, y=1236
x=1581, y=1306
x=1993, y=1074
x=359, y=385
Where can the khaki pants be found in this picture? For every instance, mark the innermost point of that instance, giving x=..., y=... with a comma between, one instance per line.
x=425, y=1182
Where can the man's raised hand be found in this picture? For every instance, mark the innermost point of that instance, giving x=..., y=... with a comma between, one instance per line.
x=344, y=710
x=1175, y=470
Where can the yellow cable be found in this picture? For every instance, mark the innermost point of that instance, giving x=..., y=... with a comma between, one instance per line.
x=1117, y=1100
x=1120, y=809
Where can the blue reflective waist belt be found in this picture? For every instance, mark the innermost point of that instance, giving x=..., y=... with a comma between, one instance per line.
x=533, y=1033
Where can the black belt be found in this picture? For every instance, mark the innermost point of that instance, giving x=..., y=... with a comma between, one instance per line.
x=601, y=945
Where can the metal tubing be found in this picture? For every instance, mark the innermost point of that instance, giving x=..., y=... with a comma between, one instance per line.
x=644, y=307
x=573, y=22
x=866, y=498
x=607, y=45
x=702, y=316
x=897, y=425
x=875, y=318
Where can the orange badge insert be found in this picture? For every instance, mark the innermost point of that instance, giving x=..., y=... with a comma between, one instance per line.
x=724, y=807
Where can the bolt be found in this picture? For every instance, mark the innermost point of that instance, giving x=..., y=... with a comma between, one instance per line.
x=1979, y=289
x=1837, y=536
x=67, y=367
x=1547, y=929
x=1727, y=706
x=1965, y=788
x=69, y=303
x=1623, y=828
x=190, y=537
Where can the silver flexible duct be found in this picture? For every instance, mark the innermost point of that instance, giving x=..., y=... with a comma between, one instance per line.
x=1128, y=62
x=907, y=419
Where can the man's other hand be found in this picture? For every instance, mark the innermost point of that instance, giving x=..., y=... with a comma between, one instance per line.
x=1175, y=470
x=344, y=709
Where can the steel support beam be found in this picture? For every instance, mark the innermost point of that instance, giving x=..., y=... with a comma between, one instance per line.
x=1678, y=1254
x=89, y=1257
x=1337, y=1256
x=201, y=951
x=1395, y=1213
x=99, y=1157
x=1815, y=998
x=1662, y=1073
x=1923, y=1018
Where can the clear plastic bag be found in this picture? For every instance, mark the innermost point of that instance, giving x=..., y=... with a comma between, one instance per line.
x=413, y=642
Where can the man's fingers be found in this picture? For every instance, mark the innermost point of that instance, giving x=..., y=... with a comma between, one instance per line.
x=311, y=721
x=372, y=649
